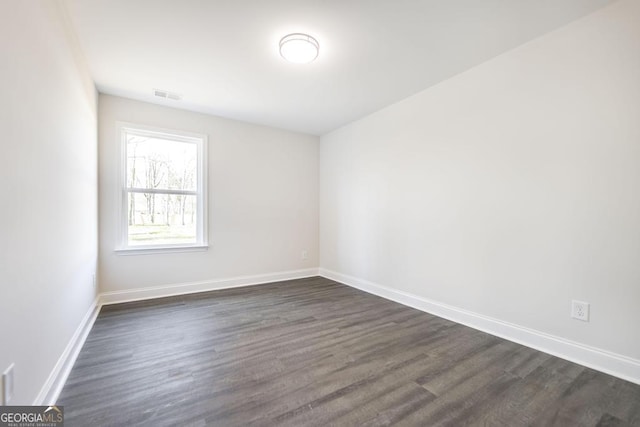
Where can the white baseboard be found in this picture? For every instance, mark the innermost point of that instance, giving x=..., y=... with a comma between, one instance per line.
x=53, y=386
x=129, y=295
x=610, y=363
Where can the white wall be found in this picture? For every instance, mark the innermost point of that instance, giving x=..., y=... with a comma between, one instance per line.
x=263, y=200
x=507, y=190
x=48, y=164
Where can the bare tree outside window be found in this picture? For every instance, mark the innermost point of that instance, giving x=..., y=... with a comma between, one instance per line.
x=162, y=189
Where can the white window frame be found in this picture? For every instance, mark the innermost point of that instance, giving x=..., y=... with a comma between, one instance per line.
x=123, y=248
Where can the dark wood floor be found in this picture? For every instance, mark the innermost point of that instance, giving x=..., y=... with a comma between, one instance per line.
x=312, y=352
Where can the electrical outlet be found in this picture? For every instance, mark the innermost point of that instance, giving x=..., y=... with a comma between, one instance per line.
x=7, y=385
x=580, y=310
x=93, y=280
x=303, y=254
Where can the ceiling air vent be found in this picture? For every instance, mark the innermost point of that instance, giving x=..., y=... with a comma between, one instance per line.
x=167, y=95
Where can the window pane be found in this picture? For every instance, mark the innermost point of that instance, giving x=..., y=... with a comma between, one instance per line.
x=158, y=219
x=161, y=163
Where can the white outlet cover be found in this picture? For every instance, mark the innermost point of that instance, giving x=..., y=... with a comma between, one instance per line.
x=580, y=310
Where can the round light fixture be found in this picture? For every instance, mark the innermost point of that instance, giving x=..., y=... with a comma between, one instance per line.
x=299, y=48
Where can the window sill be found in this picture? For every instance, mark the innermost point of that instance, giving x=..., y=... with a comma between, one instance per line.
x=161, y=250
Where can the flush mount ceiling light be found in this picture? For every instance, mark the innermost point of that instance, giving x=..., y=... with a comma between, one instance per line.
x=299, y=48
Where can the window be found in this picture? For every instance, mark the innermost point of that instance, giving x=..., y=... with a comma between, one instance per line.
x=163, y=200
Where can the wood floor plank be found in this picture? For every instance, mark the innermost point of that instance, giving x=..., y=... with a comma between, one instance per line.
x=312, y=352
x=609, y=420
x=583, y=403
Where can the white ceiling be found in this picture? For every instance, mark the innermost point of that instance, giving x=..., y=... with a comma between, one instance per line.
x=222, y=55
